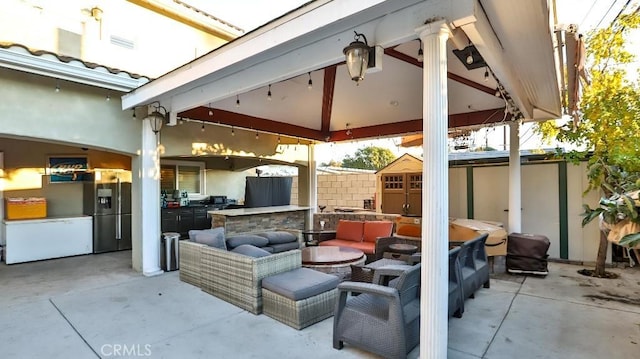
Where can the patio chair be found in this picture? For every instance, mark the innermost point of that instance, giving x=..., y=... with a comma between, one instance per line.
x=384, y=320
x=456, y=298
x=474, y=266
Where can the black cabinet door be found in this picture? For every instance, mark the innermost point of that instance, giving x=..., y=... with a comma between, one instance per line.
x=185, y=221
x=169, y=220
x=200, y=218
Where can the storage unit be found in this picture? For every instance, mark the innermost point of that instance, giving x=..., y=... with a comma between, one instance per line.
x=400, y=186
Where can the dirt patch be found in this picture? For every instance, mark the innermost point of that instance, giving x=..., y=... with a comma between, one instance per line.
x=591, y=273
x=613, y=297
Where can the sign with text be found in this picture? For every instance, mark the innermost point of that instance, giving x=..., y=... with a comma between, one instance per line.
x=67, y=169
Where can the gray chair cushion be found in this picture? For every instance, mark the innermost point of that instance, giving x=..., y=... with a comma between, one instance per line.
x=277, y=248
x=251, y=251
x=279, y=237
x=211, y=238
x=240, y=239
x=300, y=283
x=193, y=232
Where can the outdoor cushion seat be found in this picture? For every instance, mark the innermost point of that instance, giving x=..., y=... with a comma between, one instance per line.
x=278, y=237
x=281, y=247
x=253, y=239
x=300, y=297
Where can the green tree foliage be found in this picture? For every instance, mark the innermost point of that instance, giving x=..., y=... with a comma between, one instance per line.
x=369, y=158
x=608, y=130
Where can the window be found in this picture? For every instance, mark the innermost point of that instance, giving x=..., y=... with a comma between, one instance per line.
x=182, y=175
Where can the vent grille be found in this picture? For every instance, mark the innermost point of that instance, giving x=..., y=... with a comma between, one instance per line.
x=122, y=42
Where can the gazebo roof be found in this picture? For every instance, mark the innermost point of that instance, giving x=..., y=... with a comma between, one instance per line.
x=514, y=42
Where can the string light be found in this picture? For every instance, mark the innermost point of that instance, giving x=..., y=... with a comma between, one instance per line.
x=257, y=135
x=210, y=110
x=108, y=98
x=420, y=52
x=310, y=83
x=269, y=93
x=202, y=128
x=237, y=101
x=233, y=133
x=486, y=74
x=134, y=113
x=278, y=138
x=57, y=85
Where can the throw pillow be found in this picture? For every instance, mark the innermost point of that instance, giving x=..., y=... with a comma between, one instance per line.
x=193, y=232
x=279, y=237
x=240, y=239
x=251, y=251
x=212, y=239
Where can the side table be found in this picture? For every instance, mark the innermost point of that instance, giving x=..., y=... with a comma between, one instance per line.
x=313, y=236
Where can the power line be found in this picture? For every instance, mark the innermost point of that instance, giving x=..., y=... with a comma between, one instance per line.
x=588, y=12
x=606, y=13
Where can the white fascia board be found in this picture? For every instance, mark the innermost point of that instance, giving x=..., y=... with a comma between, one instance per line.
x=268, y=40
x=74, y=71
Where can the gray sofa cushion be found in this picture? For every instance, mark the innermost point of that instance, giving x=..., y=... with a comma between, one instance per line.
x=277, y=248
x=211, y=238
x=193, y=232
x=300, y=283
x=251, y=251
x=279, y=237
x=240, y=239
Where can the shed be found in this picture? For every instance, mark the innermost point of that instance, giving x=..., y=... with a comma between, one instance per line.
x=399, y=186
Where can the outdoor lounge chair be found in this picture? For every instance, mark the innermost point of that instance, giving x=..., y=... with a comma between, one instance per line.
x=383, y=320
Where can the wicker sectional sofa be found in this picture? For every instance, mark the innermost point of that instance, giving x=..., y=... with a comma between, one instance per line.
x=230, y=276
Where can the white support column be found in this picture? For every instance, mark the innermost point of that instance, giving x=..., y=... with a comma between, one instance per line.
x=313, y=185
x=150, y=201
x=515, y=201
x=435, y=189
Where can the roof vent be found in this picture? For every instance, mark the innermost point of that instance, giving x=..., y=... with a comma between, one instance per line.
x=122, y=42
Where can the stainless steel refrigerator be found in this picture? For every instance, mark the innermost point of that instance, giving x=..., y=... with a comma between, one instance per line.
x=107, y=197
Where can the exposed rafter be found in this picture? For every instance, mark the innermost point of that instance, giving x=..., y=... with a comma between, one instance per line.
x=327, y=97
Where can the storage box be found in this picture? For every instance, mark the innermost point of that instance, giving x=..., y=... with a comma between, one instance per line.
x=26, y=208
x=461, y=229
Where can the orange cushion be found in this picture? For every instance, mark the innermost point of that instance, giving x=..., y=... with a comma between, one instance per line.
x=375, y=229
x=366, y=247
x=350, y=230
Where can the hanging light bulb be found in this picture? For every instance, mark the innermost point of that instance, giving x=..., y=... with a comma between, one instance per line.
x=257, y=135
x=310, y=83
x=57, y=85
x=498, y=94
x=269, y=93
x=210, y=110
x=237, y=101
x=420, y=52
x=108, y=98
x=134, y=113
x=278, y=139
x=202, y=128
x=233, y=133
x=469, y=58
x=486, y=74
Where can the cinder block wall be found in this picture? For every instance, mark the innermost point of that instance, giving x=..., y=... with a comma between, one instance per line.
x=345, y=190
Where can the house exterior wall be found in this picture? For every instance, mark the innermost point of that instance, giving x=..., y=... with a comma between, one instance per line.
x=157, y=44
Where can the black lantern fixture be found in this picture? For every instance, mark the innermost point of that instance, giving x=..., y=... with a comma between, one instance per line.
x=157, y=118
x=359, y=56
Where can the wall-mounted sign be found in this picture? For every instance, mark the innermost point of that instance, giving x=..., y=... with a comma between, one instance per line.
x=67, y=168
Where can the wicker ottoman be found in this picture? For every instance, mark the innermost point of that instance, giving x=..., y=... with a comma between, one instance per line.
x=300, y=297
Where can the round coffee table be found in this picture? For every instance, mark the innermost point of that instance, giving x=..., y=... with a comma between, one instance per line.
x=332, y=259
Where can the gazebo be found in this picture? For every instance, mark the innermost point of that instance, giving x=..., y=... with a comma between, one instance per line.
x=434, y=65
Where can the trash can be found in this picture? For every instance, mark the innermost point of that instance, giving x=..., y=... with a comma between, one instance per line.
x=169, y=248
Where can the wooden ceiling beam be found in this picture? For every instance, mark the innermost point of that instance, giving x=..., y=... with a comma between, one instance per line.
x=327, y=98
x=457, y=78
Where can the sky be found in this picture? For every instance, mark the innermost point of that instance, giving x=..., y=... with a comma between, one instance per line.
x=249, y=14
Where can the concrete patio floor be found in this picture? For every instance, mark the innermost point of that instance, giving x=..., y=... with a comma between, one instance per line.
x=96, y=306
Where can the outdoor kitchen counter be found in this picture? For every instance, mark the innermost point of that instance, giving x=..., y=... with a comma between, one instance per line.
x=243, y=220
